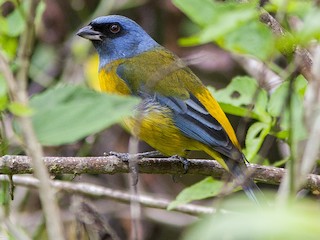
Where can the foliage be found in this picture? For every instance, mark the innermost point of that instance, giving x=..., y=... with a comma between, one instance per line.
x=206, y=188
x=67, y=113
x=66, y=119
x=236, y=28
x=291, y=222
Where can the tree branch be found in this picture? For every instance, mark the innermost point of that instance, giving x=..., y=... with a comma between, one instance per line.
x=95, y=191
x=11, y=164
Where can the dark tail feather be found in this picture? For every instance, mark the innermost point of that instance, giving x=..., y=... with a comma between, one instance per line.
x=239, y=171
x=253, y=192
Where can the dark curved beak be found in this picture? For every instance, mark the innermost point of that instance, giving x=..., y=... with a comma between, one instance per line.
x=88, y=33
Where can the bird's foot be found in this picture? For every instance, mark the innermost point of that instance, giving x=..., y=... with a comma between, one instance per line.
x=126, y=156
x=184, y=161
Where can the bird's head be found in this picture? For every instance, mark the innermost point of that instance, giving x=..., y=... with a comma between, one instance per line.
x=116, y=37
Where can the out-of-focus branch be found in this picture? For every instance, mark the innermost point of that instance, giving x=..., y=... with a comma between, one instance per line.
x=267, y=79
x=95, y=191
x=110, y=165
x=18, y=93
x=304, y=57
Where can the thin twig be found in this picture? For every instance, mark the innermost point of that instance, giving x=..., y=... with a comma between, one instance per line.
x=95, y=191
x=135, y=208
x=11, y=164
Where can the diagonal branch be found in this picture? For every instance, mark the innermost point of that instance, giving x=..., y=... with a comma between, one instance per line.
x=304, y=57
x=11, y=164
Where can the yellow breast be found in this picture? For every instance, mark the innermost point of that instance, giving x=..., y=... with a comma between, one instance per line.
x=110, y=81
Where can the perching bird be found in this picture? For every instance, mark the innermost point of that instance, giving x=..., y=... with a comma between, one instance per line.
x=177, y=112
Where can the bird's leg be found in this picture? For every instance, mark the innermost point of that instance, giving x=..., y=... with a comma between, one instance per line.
x=184, y=161
x=126, y=156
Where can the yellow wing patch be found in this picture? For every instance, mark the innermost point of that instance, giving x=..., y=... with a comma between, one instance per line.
x=213, y=107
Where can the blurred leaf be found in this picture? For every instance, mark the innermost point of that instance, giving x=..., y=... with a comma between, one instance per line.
x=295, y=222
x=239, y=95
x=239, y=92
x=3, y=93
x=260, y=106
x=297, y=110
x=255, y=138
x=281, y=134
x=280, y=163
x=292, y=7
x=206, y=188
x=3, y=102
x=277, y=100
x=216, y=18
x=254, y=38
x=19, y=109
x=238, y=111
x=3, y=86
x=311, y=27
x=67, y=114
x=192, y=8
x=4, y=195
x=43, y=58
x=14, y=24
x=301, y=85
x=277, y=107
x=39, y=12
x=8, y=45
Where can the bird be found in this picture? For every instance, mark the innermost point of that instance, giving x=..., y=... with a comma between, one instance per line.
x=177, y=112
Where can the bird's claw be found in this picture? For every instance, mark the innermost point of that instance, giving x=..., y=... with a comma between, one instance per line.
x=183, y=160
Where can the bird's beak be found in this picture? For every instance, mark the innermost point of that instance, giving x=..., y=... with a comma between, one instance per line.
x=88, y=33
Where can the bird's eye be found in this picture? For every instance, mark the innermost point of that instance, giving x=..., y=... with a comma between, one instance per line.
x=114, y=28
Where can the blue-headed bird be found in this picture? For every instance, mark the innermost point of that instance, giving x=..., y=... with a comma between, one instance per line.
x=177, y=112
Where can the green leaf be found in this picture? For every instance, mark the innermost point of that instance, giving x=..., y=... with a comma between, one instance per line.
x=15, y=23
x=239, y=95
x=3, y=86
x=67, y=114
x=3, y=102
x=226, y=24
x=299, y=221
x=39, y=12
x=293, y=7
x=43, y=58
x=238, y=111
x=206, y=188
x=277, y=100
x=239, y=92
x=254, y=39
x=216, y=18
x=8, y=45
x=299, y=130
x=192, y=8
x=19, y=109
x=277, y=107
x=311, y=27
x=255, y=138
